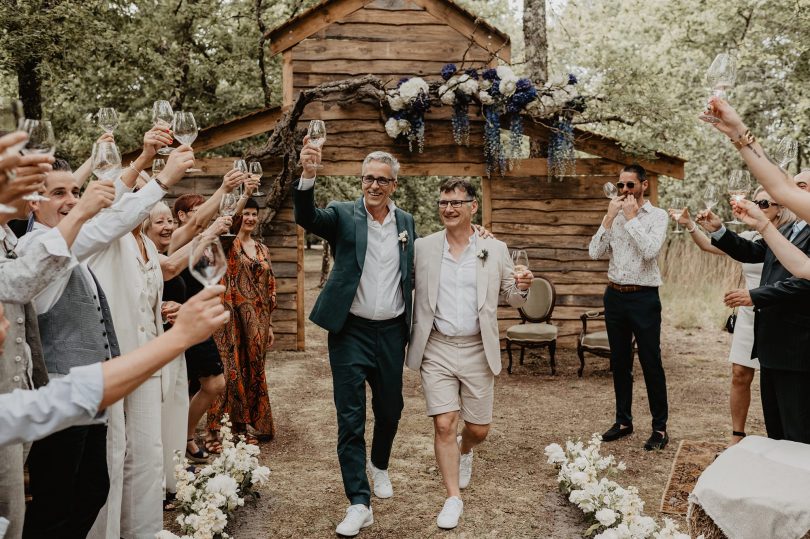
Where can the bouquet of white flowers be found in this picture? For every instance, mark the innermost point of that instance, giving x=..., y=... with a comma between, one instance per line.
x=409, y=102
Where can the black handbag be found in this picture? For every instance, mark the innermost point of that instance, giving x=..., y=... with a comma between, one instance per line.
x=731, y=321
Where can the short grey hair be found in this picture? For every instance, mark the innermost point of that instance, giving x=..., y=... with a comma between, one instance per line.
x=382, y=157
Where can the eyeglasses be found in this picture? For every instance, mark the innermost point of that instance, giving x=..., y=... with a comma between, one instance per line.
x=630, y=185
x=765, y=204
x=455, y=204
x=382, y=182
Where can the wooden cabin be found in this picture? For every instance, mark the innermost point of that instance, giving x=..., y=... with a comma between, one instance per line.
x=339, y=39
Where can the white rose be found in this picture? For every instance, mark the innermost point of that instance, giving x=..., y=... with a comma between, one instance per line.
x=508, y=86
x=505, y=72
x=447, y=96
x=260, y=475
x=486, y=99
x=469, y=87
x=411, y=88
x=221, y=484
x=392, y=128
x=485, y=84
x=396, y=102
x=554, y=452
x=606, y=517
x=579, y=478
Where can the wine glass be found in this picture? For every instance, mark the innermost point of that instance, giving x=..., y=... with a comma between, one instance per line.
x=163, y=117
x=107, y=119
x=256, y=174
x=206, y=260
x=184, y=127
x=711, y=196
x=317, y=134
x=11, y=112
x=739, y=184
x=786, y=152
x=610, y=190
x=521, y=262
x=40, y=142
x=241, y=166
x=678, y=207
x=105, y=162
x=157, y=165
x=227, y=206
x=720, y=77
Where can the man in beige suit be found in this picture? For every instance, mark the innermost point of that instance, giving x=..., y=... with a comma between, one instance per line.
x=454, y=337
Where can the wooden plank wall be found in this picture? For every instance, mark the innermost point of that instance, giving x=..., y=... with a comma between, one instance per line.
x=282, y=242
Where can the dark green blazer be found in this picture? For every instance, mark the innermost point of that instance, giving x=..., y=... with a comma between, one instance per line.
x=344, y=226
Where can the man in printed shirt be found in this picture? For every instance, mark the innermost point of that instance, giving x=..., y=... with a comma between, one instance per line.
x=632, y=233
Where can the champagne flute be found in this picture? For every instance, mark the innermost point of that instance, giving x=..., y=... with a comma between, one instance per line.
x=678, y=207
x=241, y=166
x=521, y=262
x=256, y=174
x=739, y=184
x=107, y=119
x=163, y=117
x=317, y=135
x=227, y=206
x=711, y=196
x=786, y=152
x=105, y=162
x=720, y=76
x=11, y=112
x=40, y=142
x=610, y=190
x=157, y=165
x=206, y=260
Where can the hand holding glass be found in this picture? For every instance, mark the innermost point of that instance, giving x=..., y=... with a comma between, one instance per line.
x=678, y=206
x=711, y=196
x=317, y=135
x=610, y=190
x=41, y=141
x=739, y=184
x=163, y=118
x=521, y=262
x=256, y=174
x=720, y=77
x=206, y=260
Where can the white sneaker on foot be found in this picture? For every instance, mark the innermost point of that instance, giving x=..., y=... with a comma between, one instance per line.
x=448, y=518
x=464, y=467
x=382, y=483
x=358, y=516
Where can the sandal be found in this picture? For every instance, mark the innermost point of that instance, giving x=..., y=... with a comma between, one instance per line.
x=213, y=446
x=169, y=502
x=198, y=457
x=247, y=437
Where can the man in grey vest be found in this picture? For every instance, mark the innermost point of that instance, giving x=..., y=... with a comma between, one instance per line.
x=68, y=470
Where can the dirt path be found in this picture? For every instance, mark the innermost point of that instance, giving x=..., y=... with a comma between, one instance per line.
x=513, y=491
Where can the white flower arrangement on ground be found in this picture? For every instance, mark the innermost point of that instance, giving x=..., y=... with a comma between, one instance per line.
x=613, y=511
x=206, y=499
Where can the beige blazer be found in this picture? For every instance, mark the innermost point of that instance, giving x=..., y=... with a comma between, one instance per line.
x=494, y=278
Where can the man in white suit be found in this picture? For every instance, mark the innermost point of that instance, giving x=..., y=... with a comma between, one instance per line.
x=454, y=337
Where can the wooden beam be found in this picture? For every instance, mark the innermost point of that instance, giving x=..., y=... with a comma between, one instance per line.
x=486, y=202
x=287, y=85
x=652, y=193
x=311, y=21
x=301, y=342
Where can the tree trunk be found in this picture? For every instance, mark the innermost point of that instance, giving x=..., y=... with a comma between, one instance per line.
x=30, y=88
x=534, y=35
x=262, y=65
x=324, y=264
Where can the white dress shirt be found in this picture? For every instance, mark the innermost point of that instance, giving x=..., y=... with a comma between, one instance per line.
x=379, y=294
x=457, y=300
x=28, y=415
x=633, y=246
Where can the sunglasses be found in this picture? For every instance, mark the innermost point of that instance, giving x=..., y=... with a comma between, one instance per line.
x=382, y=182
x=765, y=204
x=630, y=185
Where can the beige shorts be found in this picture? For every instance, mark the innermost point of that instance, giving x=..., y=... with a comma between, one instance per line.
x=456, y=376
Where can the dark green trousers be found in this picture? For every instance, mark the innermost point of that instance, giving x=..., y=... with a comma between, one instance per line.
x=373, y=352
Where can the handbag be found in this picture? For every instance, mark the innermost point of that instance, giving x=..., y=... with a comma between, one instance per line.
x=731, y=321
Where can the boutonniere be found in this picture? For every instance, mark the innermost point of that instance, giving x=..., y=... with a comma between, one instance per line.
x=403, y=238
x=482, y=254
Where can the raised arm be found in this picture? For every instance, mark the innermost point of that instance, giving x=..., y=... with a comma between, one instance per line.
x=81, y=174
x=152, y=140
x=600, y=242
x=513, y=287
x=176, y=262
x=700, y=239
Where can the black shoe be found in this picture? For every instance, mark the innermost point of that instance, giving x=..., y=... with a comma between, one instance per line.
x=656, y=441
x=616, y=431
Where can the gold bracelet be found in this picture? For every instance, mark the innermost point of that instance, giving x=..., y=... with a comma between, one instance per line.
x=746, y=139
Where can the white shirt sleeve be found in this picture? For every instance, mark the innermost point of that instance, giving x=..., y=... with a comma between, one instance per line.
x=305, y=184
x=717, y=234
x=42, y=259
x=28, y=415
x=600, y=243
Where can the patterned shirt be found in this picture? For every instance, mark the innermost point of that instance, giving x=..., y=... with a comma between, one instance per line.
x=633, y=246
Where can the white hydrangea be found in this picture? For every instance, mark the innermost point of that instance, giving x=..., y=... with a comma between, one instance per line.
x=606, y=517
x=392, y=128
x=469, y=86
x=396, y=102
x=447, y=96
x=222, y=484
x=411, y=88
x=260, y=475
x=505, y=72
x=404, y=126
x=508, y=86
x=485, y=98
x=485, y=84
x=554, y=452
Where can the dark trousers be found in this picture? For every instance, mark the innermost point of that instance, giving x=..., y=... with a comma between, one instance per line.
x=69, y=483
x=372, y=352
x=786, y=404
x=636, y=314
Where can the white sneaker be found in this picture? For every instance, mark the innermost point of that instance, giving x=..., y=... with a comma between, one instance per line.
x=464, y=467
x=358, y=516
x=448, y=518
x=382, y=483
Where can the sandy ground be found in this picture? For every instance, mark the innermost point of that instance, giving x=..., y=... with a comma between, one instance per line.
x=513, y=492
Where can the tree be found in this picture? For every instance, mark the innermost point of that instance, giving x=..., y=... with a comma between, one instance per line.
x=535, y=41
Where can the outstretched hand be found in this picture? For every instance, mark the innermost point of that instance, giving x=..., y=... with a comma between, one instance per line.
x=750, y=214
x=730, y=123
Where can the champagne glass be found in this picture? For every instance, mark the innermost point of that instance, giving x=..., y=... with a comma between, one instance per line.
x=256, y=174
x=105, y=162
x=206, y=260
x=739, y=184
x=11, y=112
x=241, y=166
x=107, y=119
x=711, y=196
x=163, y=117
x=786, y=152
x=317, y=134
x=157, y=165
x=227, y=206
x=521, y=261
x=610, y=190
x=40, y=142
x=678, y=207
x=720, y=77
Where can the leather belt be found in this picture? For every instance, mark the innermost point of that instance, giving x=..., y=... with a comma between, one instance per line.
x=626, y=288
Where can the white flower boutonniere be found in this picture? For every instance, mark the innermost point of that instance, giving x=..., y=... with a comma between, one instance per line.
x=482, y=254
x=403, y=239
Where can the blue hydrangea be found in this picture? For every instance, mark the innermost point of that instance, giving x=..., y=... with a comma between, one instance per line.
x=490, y=74
x=572, y=79
x=402, y=81
x=472, y=72
x=523, y=85
x=448, y=71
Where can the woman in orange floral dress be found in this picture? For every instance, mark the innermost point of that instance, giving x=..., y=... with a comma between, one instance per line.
x=250, y=295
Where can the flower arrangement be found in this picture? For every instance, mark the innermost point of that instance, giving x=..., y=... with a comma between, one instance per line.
x=458, y=91
x=482, y=254
x=403, y=239
x=409, y=102
x=613, y=511
x=206, y=499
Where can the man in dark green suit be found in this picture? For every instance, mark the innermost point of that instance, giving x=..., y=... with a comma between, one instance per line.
x=366, y=307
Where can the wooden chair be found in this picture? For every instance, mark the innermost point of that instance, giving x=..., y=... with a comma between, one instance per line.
x=594, y=342
x=535, y=329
